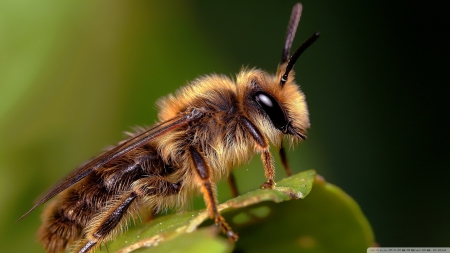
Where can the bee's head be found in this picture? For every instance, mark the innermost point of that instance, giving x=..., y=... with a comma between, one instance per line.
x=276, y=110
x=278, y=99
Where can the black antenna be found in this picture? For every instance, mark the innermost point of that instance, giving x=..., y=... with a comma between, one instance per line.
x=291, y=30
x=297, y=54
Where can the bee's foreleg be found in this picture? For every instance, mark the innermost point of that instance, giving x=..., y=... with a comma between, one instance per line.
x=284, y=160
x=269, y=169
x=103, y=226
x=266, y=157
x=232, y=183
x=208, y=188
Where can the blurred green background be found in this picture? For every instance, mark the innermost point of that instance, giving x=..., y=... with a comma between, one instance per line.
x=75, y=74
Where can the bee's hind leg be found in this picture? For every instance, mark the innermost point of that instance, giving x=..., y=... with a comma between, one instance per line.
x=103, y=225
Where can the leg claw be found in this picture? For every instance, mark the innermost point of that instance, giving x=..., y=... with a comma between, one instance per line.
x=270, y=184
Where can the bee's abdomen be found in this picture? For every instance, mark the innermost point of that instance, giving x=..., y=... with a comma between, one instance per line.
x=58, y=230
x=65, y=219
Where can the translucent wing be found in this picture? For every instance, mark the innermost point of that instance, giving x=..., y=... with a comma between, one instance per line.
x=116, y=152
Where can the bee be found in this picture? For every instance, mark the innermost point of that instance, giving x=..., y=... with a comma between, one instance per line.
x=205, y=129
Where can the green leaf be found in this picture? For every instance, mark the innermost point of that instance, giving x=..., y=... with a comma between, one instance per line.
x=201, y=240
x=327, y=221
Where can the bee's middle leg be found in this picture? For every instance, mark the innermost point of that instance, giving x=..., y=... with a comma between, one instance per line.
x=208, y=189
x=102, y=226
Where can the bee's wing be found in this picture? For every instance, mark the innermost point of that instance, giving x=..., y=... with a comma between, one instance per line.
x=116, y=152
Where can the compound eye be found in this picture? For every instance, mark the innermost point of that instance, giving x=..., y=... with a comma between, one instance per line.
x=272, y=109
